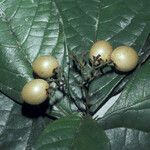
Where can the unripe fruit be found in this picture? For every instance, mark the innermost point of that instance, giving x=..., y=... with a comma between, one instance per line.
x=35, y=92
x=44, y=66
x=125, y=58
x=103, y=49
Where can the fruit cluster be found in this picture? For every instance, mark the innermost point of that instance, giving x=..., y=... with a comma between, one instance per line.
x=123, y=58
x=36, y=91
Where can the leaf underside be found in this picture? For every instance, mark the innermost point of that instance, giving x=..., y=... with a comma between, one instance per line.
x=128, y=139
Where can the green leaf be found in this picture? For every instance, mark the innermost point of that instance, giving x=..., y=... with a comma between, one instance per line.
x=101, y=88
x=16, y=130
x=73, y=133
x=128, y=139
x=117, y=21
x=132, y=109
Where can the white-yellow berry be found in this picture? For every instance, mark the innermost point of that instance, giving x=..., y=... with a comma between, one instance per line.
x=35, y=91
x=103, y=49
x=44, y=66
x=124, y=58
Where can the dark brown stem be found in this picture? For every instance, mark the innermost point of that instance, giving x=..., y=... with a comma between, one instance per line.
x=63, y=86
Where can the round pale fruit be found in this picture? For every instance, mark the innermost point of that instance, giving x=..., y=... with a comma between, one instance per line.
x=124, y=58
x=44, y=66
x=35, y=91
x=102, y=51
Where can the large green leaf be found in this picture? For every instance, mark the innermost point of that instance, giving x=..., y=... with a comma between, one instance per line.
x=128, y=139
x=132, y=109
x=73, y=133
x=118, y=21
x=31, y=28
x=101, y=88
x=17, y=132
